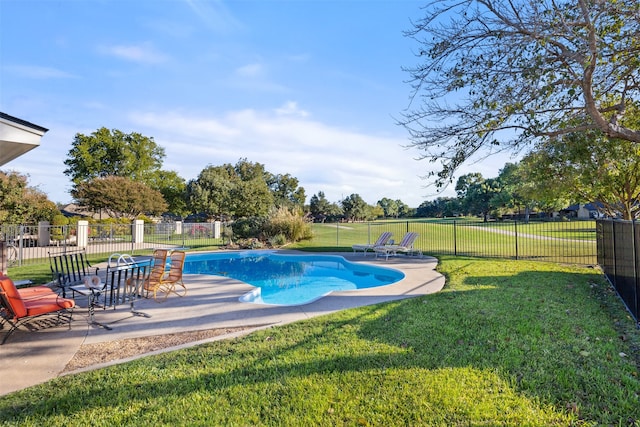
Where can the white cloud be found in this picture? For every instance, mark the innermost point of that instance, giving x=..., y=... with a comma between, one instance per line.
x=251, y=70
x=143, y=53
x=290, y=108
x=37, y=72
x=215, y=15
x=337, y=161
x=326, y=158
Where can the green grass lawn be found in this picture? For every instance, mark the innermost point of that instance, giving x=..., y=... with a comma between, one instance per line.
x=557, y=241
x=507, y=343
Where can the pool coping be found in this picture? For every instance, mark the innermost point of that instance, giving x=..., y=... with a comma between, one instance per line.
x=30, y=358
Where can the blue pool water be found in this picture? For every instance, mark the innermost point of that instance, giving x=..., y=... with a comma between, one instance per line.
x=290, y=279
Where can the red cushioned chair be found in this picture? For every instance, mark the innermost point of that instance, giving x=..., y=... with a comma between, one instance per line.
x=19, y=306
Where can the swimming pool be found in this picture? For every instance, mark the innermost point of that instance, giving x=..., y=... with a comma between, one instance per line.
x=282, y=279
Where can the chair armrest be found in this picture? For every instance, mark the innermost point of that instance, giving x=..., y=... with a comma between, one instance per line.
x=23, y=283
x=37, y=296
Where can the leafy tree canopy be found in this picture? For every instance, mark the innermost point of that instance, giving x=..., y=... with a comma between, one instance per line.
x=113, y=153
x=321, y=209
x=173, y=189
x=230, y=191
x=22, y=204
x=389, y=207
x=439, y=208
x=498, y=74
x=537, y=188
x=137, y=157
x=286, y=191
x=593, y=168
x=210, y=193
x=515, y=191
x=119, y=197
x=355, y=208
x=478, y=195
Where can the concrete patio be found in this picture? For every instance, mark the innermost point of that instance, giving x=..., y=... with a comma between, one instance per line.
x=29, y=358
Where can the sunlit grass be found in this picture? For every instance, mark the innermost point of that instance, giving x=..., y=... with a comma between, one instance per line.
x=562, y=241
x=505, y=343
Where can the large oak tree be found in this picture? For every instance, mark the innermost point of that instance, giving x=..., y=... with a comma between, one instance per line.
x=501, y=74
x=119, y=197
x=106, y=153
x=228, y=191
x=113, y=153
x=593, y=168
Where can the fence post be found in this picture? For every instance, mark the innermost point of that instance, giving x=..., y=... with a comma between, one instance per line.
x=614, y=256
x=20, y=244
x=455, y=238
x=138, y=234
x=82, y=234
x=4, y=256
x=44, y=233
x=217, y=227
x=515, y=230
x=635, y=271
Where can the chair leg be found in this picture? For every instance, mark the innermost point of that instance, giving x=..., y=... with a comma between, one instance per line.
x=182, y=292
x=14, y=326
x=163, y=288
x=64, y=313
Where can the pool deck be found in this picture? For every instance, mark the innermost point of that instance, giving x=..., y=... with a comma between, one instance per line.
x=29, y=358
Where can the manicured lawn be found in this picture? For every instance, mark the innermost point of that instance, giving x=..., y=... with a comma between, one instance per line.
x=562, y=241
x=505, y=343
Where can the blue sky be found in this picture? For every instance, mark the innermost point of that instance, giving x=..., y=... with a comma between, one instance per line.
x=305, y=87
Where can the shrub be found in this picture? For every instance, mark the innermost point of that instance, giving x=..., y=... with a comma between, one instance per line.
x=278, y=240
x=246, y=228
x=117, y=226
x=57, y=230
x=293, y=227
x=146, y=219
x=251, y=243
x=227, y=235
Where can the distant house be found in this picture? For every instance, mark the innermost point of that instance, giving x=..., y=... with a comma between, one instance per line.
x=583, y=211
x=73, y=210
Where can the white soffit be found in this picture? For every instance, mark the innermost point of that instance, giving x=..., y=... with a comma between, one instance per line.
x=17, y=137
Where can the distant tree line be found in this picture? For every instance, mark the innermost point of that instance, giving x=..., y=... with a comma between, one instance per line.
x=121, y=175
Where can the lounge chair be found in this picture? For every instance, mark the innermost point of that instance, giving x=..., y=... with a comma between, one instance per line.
x=382, y=240
x=153, y=282
x=174, y=276
x=405, y=246
x=161, y=281
x=18, y=307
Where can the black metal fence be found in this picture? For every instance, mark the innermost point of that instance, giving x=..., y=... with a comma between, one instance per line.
x=612, y=244
x=32, y=244
x=619, y=258
x=571, y=242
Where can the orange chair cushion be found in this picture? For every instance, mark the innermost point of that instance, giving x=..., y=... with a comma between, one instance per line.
x=47, y=304
x=35, y=290
x=38, y=301
x=13, y=296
